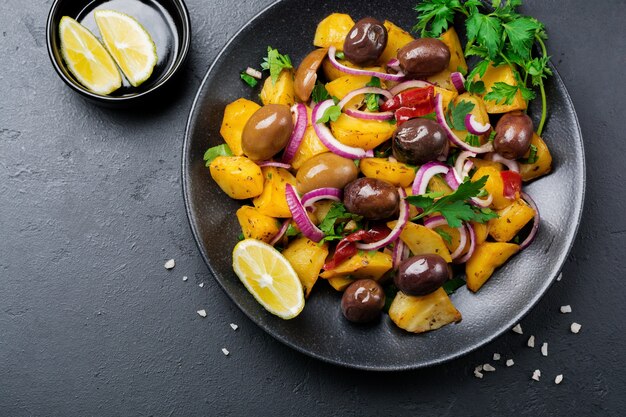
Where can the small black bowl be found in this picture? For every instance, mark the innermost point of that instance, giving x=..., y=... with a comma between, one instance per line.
x=168, y=23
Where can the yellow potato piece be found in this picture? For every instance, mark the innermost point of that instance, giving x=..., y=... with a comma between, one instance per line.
x=332, y=31
x=494, y=186
x=543, y=164
x=396, y=39
x=281, y=92
x=359, y=133
x=512, y=219
x=332, y=73
x=272, y=201
x=237, y=176
x=457, y=60
x=421, y=240
x=502, y=73
x=310, y=146
x=307, y=259
x=363, y=265
x=340, y=283
x=256, y=225
x=486, y=258
x=341, y=86
x=424, y=313
x=396, y=173
x=236, y=115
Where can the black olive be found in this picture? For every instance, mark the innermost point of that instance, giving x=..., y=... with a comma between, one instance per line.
x=362, y=301
x=418, y=141
x=424, y=57
x=371, y=198
x=514, y=132
x=422, y=274
x=365, y=42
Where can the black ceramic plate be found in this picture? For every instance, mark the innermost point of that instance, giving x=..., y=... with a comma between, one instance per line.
x=320, y=331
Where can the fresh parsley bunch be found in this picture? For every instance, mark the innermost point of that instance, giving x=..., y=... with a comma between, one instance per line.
x=500, y=35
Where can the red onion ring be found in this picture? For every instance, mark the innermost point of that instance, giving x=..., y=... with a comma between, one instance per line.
x=403, y=219
x=274, y=164
x=380, y=116
x=460, y=166
x=472, y=248
x=510, y=164
x=364, y=90
x=536, y=220
x=300, y=215
x=441, y=119
x=474, y=126
x=425, y=173
x=327, y=138
x=452, y=179
x=326, y=193
x=355, y=71
x=409, y=84
x=458, y=81
x=297, y=135
x=438, y=221
x=398, y=252
x=394, y=64
x=281, y=232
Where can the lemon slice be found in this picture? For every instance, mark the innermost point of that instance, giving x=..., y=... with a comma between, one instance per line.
x=87, y=59
x=129, y=43
x=270, y=278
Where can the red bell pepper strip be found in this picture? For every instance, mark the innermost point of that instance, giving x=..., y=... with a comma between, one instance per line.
x=512, y=184
x=412, y=98
x=347, y=247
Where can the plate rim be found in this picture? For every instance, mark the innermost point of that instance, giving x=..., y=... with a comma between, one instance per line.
x=450, y=357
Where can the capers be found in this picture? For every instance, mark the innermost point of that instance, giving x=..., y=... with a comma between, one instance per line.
x=325, y=170
x=514, y=132
x=424, y=57
x=363, y=301
x=418, y=141
x=365, y=42
x=371, y=198
x=267, y=132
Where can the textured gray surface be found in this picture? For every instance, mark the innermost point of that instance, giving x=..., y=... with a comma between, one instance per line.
x=90, y=209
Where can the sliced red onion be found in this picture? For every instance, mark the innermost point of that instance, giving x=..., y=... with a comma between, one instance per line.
x=364, y=90
x=254, y=73
x=300, y=215
x=365, y=115
x=482, y=203
x=394, y=64
x=438, y=221
x=472, y=242
x=299, y=110
x=355, y=71
x=403, y=219
x=452, y=180
x=274, y=164
x=441, y=118
x=474, y=126
x=281, y=232
x=327, y=138
x=536, y=220
x=510, y=164
x=409, y=84
x=398, y=252
x=460, y=165
x=314, y=196
x=424, y=175
x=458, y=81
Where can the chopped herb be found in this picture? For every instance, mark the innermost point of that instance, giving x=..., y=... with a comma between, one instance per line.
x=275, y=62
x=462, y=70
x=532, y=156
x=454, y=207
x=319, y=93
x=340, y=55
x=241, y=236
x=452, y=285
x=292, y=231
x=251, y=81
x=214, y=152
x=457, y=112
x=372, y=99
x=472, y=139
x=430, y=116
x=332, y=113
x=390, y=293
x=492, y=136
x=444, y=235
x=516, y=240
x=502, y=93
x=334, y=222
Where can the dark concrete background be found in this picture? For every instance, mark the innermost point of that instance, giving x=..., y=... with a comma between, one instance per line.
x=91, y=207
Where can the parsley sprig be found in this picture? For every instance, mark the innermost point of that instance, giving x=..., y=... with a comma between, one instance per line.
x=275, y=62
x=500, y=36
x=455, y=207
x=335, y=221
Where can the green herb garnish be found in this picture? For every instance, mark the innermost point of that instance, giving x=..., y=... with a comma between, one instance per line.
x=332, y=113
x=335, y=221
x=532, y=156
x=457, y=112
x=452, y=285
x=292, y=231
x=371, y=100
x=340, y=55
x=214, y=152
x=444, y=235
x=251, y=81
x=319, y=93
x=455, y=207
x=275, y=62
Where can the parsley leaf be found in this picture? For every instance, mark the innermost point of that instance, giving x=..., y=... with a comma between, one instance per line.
x=319, y=93
x=275, y=62
x=454, y=207
x=251, y=81
x=335, y=221
x=452, y=285
x=371, y=100
x=502, y=93
x=472, y=139
x=521, y=33
x=436, y=14
x=340, y=55
x=331, y=113
x=214, y=152
x=292, y=231
x=532, y=156
x=444, y=235
x=457, y=113
x=487, y=30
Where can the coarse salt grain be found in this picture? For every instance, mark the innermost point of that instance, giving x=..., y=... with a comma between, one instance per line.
x=170, y=264
x=518, y=329
x=478, y=368
x=575, y=328
x=201, y=313
x=509, y=362
x=185, y=278
x=558, y=379
x=531, y=341
x=560, y=277
x=496, y=356
x=488, y=368
x=234, y=326
x=225, y=351
x=544, y=349
x=536, y=374
x=254, y=73
x=478, y=374
x=201, y=285
x=566, y=309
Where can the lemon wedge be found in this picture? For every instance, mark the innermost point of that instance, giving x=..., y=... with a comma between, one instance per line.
x=269, y=277
x=87, y=59
x=129, y=44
